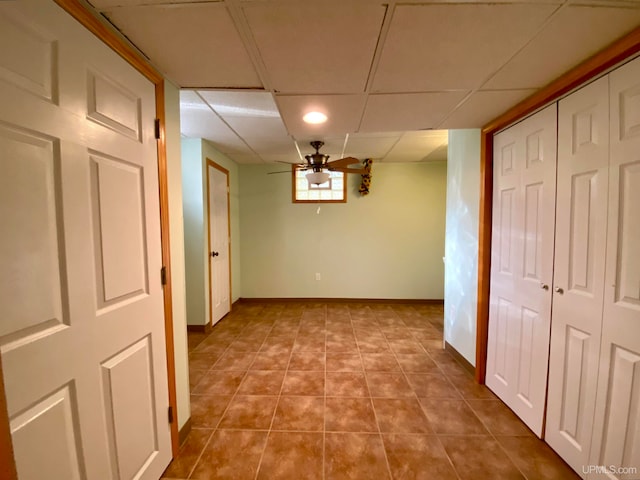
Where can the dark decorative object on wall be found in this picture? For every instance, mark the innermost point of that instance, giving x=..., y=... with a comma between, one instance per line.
x=366, y=178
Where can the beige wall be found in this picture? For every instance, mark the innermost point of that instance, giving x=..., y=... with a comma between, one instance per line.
x=388, y=244
x=176, y=238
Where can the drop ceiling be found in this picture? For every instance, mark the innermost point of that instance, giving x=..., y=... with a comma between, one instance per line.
x=391, y=76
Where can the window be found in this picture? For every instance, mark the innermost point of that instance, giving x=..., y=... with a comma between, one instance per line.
x=332, y=191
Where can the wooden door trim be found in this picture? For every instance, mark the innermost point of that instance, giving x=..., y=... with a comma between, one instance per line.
x=211, y=163
x=617, y=52
x=88, y=19
x=7, y=461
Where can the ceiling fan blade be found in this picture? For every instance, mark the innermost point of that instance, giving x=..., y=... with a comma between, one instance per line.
x=342, y=162
x=289, y=163
x=281, y=171
x=361, y=171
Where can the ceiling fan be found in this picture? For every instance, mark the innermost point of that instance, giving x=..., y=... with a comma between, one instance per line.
x=318, y=163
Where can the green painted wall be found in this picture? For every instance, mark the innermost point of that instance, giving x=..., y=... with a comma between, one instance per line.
x=194, y=155
x=388, y=244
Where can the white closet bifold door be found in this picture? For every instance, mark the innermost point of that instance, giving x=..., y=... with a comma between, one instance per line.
x=616, y=433
x=579, y=262
x=522, y=264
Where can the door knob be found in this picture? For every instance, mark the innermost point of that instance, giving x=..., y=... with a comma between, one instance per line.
x=558, y=290
x=214, y=254
x=544, y=286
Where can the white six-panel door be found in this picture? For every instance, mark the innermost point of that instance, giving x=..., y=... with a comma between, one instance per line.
x=616, y=432
x=522, y=264
x=580, y=247
x=219, y=286
x=81, y=329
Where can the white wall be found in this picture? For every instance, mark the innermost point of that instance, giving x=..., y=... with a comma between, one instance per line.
x=194, y=155
x=461, y=268
x=388, y=244
x=176, y=239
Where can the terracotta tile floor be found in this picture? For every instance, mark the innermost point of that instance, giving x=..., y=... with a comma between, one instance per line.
x=353, y=391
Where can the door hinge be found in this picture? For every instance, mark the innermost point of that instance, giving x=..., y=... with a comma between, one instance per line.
x=163, y=275
x=170, y=412
x=156, y=126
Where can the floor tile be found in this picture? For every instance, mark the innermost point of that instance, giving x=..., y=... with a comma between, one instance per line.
x=380, y=362
x=498, y=418
x=396, y=415
x=343, y=362
x=195, y=376
x=349, y=415
x=418, y=457
x=249, y=412
x=231, y=454
x=468, y=388
x=417, y=363
x=313, y=361
x=299, y=413
x=391, y=385
x=536, y=459
x=206, y=410
x=432, y=385
x=368, y=346
x=219, y=383
x=203, y=361
x=269, y=361
x=346, y=384
x=183, y=464
x=354, y=456
x=405, y=346
x=234, y=361
x=292, y=456
x=262, y=382
x=451, y=416
x=303, y=383
x=479, y=457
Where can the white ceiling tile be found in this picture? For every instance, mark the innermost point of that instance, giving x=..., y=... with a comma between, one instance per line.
x=247, y=159
x=483, y=106
x=241, y=104
x=289, y=158
x=453, y=46
x=196, y=45
x=259, y=127
x=272, y=145
x=408, y=111
x=343, y=112
x=373, y=147
x=334, y=144
x=575, y=34
x=316, y=47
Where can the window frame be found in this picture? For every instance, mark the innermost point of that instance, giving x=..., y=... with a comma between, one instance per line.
x=293, y=190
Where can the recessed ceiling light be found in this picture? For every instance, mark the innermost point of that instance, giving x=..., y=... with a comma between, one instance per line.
x=315, y=117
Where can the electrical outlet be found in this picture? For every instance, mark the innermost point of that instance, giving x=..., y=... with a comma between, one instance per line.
x=318, y=276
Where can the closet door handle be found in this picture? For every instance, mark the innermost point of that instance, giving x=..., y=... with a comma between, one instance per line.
x=544, y=286
x=558, y=290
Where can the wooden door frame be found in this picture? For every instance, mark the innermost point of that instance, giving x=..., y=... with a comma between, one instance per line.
x=617, y=52
x=211, y=163
x=87, y=18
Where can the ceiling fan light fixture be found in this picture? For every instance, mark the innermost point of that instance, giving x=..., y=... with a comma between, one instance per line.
x=314, y=118
x=318, y=178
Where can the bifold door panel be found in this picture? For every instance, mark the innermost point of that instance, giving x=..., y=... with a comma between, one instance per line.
x=522, y=264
